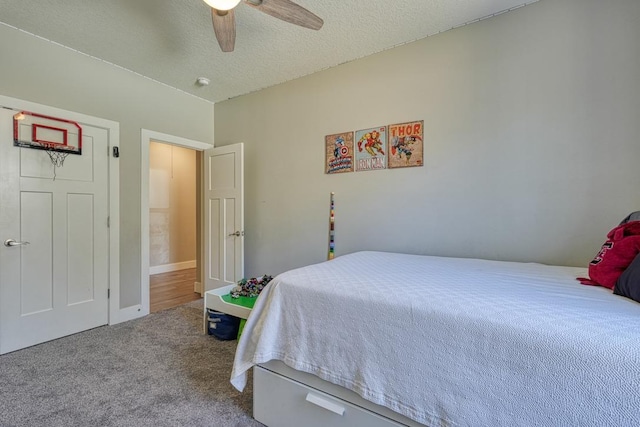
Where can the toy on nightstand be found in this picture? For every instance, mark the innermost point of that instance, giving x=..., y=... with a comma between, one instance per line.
x=250, y=287
x=245, y=294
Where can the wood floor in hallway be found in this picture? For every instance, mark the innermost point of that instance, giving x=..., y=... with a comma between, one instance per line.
x=171, y=289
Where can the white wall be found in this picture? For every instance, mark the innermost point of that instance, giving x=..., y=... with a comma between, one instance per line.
x=36, y=70
x=531, y=143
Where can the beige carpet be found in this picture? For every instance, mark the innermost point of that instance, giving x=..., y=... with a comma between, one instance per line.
x=161, y=370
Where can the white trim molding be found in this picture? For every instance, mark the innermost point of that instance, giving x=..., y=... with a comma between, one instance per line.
x=176, y=266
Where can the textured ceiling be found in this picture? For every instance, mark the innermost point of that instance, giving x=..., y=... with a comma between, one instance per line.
x=172, y=41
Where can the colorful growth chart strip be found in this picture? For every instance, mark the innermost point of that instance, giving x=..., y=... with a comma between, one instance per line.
x=332, y=244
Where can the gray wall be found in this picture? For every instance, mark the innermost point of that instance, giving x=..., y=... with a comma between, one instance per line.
x=39, y=71
x=532, y=145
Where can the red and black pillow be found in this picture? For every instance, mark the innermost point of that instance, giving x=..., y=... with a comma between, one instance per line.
x=617, y=253
x=628, y=284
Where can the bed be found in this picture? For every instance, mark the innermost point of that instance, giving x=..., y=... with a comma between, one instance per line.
x=387, y=339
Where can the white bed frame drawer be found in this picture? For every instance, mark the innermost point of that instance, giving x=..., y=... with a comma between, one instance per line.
x=282, y=402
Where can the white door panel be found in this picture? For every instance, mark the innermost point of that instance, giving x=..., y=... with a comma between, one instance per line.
x=35, y=222
x=212, y=246
x=57, y=284
x=224, y=216
x=80, y=251
x=231, y=241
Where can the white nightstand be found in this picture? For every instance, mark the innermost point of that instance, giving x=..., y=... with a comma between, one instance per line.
x=213, y=300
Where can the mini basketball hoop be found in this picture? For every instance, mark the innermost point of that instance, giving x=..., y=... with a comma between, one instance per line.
x=58, y=137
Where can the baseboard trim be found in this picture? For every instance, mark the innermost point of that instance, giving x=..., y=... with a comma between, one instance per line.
x=129, y=313
x=197, y=288
x=167, y=268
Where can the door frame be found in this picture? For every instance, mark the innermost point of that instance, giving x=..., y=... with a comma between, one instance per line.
x=113, y=131
x=147, y=137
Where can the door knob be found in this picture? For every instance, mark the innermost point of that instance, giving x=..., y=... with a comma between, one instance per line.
x=10, y=242
x=237, y=234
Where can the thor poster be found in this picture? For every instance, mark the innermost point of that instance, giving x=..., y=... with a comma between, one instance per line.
x=406, y=145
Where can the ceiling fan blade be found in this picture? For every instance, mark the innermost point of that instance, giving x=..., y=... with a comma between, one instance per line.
x=224, y=25
x=288, y=11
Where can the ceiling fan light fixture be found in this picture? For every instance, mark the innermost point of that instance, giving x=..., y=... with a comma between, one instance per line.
x=224, y=18
x=222, y=4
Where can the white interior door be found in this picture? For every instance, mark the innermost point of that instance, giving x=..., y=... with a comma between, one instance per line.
x=224, y=216
x=57, y=284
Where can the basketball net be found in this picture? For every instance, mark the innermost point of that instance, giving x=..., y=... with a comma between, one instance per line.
x=57, y=157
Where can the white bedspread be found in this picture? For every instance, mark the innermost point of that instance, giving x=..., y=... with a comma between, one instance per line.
x=455, y=342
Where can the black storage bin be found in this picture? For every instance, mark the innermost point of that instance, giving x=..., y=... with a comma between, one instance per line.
x=222, y=326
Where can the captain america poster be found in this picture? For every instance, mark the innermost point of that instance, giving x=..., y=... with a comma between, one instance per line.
x=339, y=153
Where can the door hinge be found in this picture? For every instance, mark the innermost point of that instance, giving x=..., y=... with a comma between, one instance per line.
x=108, y=293
x=108, y=222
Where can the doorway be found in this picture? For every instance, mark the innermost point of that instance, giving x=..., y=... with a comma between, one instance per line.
x=172, y=279
x=174, y=178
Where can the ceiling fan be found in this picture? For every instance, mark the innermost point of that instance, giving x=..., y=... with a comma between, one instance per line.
x=224, y=22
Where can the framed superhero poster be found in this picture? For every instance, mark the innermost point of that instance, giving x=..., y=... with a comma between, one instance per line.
x=371, y=149
x=339, y=152
x=406, y=147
